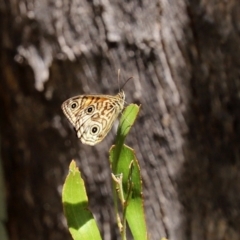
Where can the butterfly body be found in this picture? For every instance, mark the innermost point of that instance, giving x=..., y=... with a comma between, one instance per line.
x=93, y=115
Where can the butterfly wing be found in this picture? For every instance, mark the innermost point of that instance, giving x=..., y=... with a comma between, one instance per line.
x=93, y=115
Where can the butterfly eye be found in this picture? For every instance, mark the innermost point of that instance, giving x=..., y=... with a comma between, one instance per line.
x=94, y=129
x=90, y=109
x=74, y=105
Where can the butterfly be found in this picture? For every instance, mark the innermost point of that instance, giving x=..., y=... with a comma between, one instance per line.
x=93, y=115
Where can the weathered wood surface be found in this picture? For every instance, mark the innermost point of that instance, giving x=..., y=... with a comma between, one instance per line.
x=184, y=57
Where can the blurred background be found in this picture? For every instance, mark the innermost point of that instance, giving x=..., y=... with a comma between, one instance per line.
x=184, y=57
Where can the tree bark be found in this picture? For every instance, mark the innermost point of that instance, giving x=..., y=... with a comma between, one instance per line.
x=184, y=57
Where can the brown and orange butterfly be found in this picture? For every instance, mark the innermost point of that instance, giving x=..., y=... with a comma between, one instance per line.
x=93, y=115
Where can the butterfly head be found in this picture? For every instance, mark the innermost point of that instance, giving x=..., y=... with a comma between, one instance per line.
x=120, y=99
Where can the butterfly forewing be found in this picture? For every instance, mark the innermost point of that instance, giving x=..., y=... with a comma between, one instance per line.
x=93, y=115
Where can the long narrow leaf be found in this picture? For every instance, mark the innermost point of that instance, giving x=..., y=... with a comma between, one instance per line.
x=81, y=222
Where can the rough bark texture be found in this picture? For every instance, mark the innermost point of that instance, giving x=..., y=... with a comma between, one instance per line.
x=184, y=57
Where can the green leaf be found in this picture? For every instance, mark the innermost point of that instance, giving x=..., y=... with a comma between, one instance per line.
x=121, y=157
x=128, y=118
x=135, y=211
x=81, y=222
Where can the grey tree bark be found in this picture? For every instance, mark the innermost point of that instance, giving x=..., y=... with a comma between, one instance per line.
x=184, y=57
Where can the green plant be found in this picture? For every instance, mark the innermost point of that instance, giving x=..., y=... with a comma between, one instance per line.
x=127, y=190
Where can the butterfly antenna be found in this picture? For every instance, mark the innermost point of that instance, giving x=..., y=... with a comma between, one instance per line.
x=126, y=82
x=118, y=79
